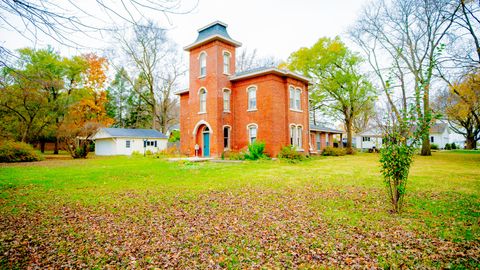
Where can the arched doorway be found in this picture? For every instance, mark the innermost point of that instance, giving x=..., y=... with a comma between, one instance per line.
x=203, y=138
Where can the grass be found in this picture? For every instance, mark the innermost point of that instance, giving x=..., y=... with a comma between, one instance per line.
x=328, y=212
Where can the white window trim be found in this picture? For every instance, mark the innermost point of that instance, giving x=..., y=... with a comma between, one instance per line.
x=248, y=98
x=229, y=63
x=294, y=137
x=200, y=64
x=295, y=89
x=248, y=131
x=200, y=100
x=229, y=147
x=229, y=101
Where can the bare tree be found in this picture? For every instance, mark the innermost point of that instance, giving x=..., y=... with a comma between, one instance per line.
x=247, y=60
x=402, y=40
x=153, y=58
x=62, y=20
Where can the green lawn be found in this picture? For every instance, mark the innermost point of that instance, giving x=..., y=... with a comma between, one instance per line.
x=141, y=212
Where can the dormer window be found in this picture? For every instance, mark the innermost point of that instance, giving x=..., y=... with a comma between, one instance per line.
x=226, y=63
x=203, y=64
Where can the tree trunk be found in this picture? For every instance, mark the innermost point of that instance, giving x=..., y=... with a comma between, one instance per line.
x=471, y=143
x=426, y=151
x=55, y=149
x=154, y=116
x=42, y=146
x=348, y=126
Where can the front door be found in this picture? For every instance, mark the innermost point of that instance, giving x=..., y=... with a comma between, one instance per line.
x=206, y=144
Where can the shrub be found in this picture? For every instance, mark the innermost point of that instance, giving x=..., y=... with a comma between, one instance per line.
x=447, y=146
x=255, y=151
x=454, y=146
x=434, y=146
x=232, y=155
x=331, y=151
x=17, y=152
x=174, y=136
x=291, y=154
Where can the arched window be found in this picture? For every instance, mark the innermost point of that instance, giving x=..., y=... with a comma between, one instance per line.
x=292, y=97
x=293, y=135
x=252, y=132
x=226, y=63
x=203, y=64
x=252, y=98
x=226, y=137
x=226, y=100
x=298, y=92
x=203, y=100
x=299, y=137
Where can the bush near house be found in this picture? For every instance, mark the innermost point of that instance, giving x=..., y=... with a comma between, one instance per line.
x=454, y=146
x=11, y=151
x=434, y=146
x=256, y=151
x=331, y=151
x=233, y=155
x=448, y=146
x=290, y=154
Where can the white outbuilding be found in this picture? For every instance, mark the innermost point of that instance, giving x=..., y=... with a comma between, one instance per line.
x=124, y=141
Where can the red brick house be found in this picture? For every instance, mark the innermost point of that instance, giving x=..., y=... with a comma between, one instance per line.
x=224, y=110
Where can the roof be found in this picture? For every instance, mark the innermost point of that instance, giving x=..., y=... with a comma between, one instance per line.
x=324, y=129
x=210, y=32
x=135, y=133
x=267, y=70
x=174, y=127
x=438, y=128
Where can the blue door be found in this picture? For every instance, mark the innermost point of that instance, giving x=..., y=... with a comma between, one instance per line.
x=206, y=144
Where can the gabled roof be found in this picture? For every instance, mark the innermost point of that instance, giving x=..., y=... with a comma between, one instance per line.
x=133, y=133
x=325, y=129
x=213, y=31
x=267, y=70
x=438, y=128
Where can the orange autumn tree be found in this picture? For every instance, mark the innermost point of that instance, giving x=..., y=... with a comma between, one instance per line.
x=463, y=108
x=87, y=113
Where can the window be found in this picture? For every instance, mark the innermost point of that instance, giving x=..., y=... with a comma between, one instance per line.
x=203, y=100
x=326, y=139
x=127, y=144
x=299, y=137
x=293, y=133
x=226, y=137
x=365, y=139
x=150, y=143
x=203, y=64
x=252, y=98
x=226, y=63
x=226, y=100
x=252, y=133
x=432, y=139
x=297, y=99
x=318, y=141
x=294, y=98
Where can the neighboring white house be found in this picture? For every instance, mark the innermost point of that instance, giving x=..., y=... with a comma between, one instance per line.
x=440, y=134
x=368, y=139
x=123, y=141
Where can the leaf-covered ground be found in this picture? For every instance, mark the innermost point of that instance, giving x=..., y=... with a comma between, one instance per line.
x=331, y=212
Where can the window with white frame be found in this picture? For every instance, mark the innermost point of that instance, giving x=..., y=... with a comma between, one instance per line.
x=226, y=63
x=127, y=144
x=203, y=100
x=203, y=64
x=365, y=139
x=252, y=98
x=299, y=137
x=295, y=98
x=298, y=93
x=293, y=132
x=252, y=133
x=292, y=97
x=432, y=139
x=226, y=137
x=326, y=139
x=226, y=100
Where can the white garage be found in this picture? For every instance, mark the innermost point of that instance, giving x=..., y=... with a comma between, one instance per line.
x=124, y=141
